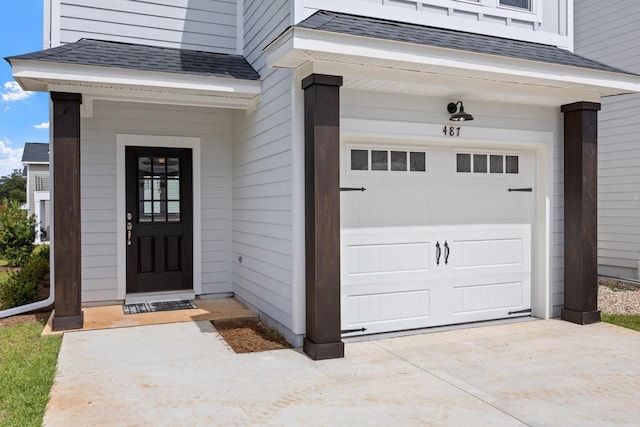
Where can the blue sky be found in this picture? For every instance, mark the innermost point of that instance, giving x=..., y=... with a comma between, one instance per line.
x=24, y=116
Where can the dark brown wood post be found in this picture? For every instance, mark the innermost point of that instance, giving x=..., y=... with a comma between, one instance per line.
x=322, y=203
x=581, y=213
x=66, y=211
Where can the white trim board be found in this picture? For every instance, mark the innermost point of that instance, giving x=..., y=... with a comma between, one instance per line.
x=125, y=140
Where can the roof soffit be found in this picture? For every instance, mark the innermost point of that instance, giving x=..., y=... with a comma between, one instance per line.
x=303, y=47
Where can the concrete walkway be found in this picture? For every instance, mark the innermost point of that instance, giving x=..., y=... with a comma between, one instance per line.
x=542, y=373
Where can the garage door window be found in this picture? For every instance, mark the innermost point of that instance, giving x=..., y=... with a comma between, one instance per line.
x=487, y=163
x=379, y=161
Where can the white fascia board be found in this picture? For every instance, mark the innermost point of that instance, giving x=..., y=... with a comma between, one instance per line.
x=35, y=163
x=211, y=100
x=309, y=41
x=27, y=70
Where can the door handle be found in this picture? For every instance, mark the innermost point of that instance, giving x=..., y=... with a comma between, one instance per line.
x=129, y=228
x=438, y=253
x=128, y=237
x=446, y=252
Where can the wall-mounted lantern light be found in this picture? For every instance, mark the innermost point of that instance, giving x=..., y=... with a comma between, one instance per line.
x=458, y=115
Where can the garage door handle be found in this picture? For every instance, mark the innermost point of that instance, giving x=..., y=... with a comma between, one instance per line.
x=446, y=253
x=438, y=252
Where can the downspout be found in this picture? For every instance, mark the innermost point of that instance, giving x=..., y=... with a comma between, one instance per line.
x=50, y=299
x=29, y=307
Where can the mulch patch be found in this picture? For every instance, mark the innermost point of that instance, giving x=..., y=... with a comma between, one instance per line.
x=250, y=337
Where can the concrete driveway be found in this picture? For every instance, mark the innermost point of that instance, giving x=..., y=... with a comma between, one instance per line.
x=540, y=373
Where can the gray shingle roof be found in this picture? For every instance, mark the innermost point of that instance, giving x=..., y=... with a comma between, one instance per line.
x=450, y=39
x=35, y=152
x=102, y=53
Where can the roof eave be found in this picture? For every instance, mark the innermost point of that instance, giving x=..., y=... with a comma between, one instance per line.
x=46, y=76
x=299, y=46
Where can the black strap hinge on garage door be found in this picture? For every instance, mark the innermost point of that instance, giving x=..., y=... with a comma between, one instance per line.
x=527, y=190
x=352, y=189
x=526, y=310
x=350, y=331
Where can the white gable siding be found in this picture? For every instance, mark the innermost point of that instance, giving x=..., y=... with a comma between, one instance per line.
x=208, y=25
x=609, y=32
x=262, y=185
x=420, y=109
x=548, y=22
x=99, y=198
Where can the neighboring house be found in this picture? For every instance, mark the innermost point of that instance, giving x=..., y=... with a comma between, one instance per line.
x=609, y=32
x=35, y=159
x=199, y=149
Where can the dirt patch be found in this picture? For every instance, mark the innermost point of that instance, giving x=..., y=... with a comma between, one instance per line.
x=250, y=337
x=41, y=316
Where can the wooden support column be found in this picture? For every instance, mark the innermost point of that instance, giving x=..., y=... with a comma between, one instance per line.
x=66, y=211
x=580, y=213
x=322, y=206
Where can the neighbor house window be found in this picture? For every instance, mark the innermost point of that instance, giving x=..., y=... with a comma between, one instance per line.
x=487, y=163
x=516, y=4
x=383, y=160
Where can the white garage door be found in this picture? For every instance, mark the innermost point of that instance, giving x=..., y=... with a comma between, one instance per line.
x=437, y=238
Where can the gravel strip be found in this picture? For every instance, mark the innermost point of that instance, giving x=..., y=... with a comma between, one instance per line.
x=618, y=297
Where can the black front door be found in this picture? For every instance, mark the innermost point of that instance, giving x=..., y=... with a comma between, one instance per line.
x=159, y=219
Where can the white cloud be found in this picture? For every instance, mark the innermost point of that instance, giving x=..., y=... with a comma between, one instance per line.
x=13, y=92
x=43, y=125
x=5, y=109
x=10, y=158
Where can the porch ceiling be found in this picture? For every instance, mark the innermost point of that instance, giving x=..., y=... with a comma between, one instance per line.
x=425, y=67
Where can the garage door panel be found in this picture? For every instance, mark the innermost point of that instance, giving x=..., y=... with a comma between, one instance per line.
x=381, y=309
x=500, y=250
x=495, y=295
x=380, y=205
x=398, y=257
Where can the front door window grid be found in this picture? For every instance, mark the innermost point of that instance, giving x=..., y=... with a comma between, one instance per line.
x=159, y=189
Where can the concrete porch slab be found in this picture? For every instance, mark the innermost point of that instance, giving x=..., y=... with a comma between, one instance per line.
x=112, y=316
x=546, y=373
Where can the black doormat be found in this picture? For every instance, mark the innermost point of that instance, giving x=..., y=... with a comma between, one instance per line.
x=150, y=307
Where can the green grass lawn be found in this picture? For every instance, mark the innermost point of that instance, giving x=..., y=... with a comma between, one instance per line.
x=27, y=369
x=631, y=321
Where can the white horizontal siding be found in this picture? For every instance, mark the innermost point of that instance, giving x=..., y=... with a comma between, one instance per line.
x=619, y=187
x=405, y=108
x=262, y=182
x=208, y=25
x=608, y=32
x=99, y=198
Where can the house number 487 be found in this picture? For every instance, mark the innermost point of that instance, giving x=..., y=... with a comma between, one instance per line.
x=451, y=130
